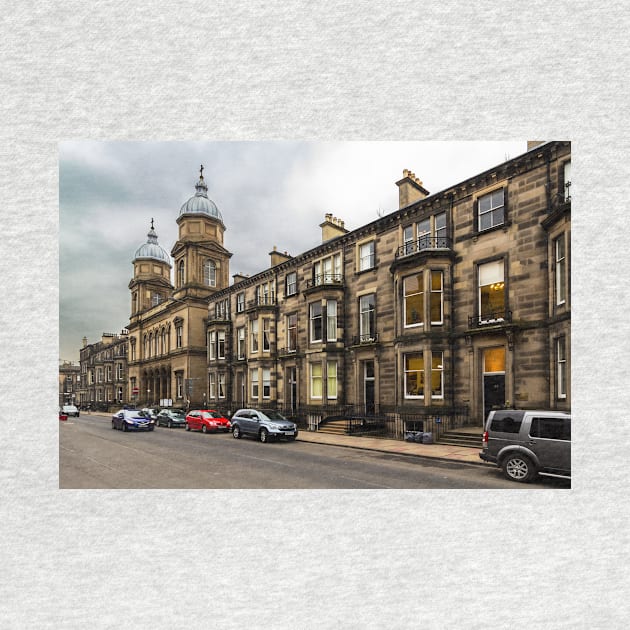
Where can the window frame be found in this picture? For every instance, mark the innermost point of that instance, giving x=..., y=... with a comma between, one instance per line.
x=331, y=320
x=316, y=378
x=560, y=263
x=561, y=368
x=421, y=292
x=313, y=319
x=332, y=380
x=407, y=371
x=500, y=263
x=492, y=210
x=367, y=315
x=290, y=282
x=366, y=262
x=253, y=336
x=209, y=273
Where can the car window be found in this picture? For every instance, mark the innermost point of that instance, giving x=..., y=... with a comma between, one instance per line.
x=506, y=424
x=551, y=428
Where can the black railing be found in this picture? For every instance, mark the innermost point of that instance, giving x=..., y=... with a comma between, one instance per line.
x=262, y=300
x=287, y=351
x=325, y=279
x=365, y=339
x=490, y=319
x=423, y=243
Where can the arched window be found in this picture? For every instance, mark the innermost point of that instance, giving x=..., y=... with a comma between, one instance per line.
x=180, y=274
x=210, y=273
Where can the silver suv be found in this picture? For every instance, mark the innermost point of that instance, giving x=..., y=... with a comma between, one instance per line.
x=264, y=425
x=528, y=443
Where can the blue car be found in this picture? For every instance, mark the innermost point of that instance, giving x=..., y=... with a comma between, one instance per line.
x=132, y=419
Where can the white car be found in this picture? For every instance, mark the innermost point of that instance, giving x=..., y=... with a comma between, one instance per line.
x=70, y=410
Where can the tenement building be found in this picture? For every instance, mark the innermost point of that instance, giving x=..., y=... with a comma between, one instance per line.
x=69, y=383
x=167, y=328
x=103, y=367
x=455, y=303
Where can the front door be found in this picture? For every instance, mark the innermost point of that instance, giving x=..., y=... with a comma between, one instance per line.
x=368, y=386
x=493, y=379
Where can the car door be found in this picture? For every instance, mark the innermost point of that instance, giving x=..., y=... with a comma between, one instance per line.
x=194, y=420
x=550, y=439
x=250, y=424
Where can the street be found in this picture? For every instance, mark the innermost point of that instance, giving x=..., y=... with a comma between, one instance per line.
x=92, y=455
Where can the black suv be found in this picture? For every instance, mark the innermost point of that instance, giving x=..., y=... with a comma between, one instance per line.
x=528, y=443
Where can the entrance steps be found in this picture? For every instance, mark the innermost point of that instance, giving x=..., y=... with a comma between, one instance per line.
x=468, y=436
x=336, y=427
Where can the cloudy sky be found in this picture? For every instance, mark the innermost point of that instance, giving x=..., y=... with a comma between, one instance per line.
x=269, y=193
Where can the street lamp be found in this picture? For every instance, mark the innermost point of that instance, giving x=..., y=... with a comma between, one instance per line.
x=148, y=396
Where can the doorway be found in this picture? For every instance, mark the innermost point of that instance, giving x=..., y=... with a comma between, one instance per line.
x=493, y=379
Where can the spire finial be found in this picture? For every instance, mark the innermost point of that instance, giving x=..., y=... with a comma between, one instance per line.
x=201, y=172
x=152, y=223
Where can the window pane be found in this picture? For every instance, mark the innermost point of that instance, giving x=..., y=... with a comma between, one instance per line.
x=331, y=373
x=413, y=309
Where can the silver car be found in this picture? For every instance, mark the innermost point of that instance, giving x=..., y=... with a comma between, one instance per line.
x=264, y=425
x=528, y=443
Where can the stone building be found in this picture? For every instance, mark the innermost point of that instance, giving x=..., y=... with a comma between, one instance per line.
x=167, y=327
x=103, y=367
x=69, y=383
x=457, y=302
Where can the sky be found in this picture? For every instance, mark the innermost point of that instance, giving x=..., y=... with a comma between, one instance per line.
x=269, y=194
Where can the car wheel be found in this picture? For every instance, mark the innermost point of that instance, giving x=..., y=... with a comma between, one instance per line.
x=187, y=427
x=236, y=433
x=518, y=467
x=124, y=426
x=204, y=429
x=264, y=436
x=113, y=425
x=169, y=424
x=151, y=428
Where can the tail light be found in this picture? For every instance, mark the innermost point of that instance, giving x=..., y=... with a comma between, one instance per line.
x=485, y=439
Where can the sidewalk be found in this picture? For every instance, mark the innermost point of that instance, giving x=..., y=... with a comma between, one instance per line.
x=398, y=447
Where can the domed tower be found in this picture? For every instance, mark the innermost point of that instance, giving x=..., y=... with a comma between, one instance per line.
x=201, y=261
x=151, y=283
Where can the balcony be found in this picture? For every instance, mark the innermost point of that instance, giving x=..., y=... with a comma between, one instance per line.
x=422, y=244
x=262, y=302
x=365, y=340
x=287, y=352
x=495, y=318
x=324, y=281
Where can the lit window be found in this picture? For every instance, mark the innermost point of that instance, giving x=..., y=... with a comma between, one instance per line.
x=437, y=297
x=331, y=379
x=437, y=373
x=491, y=292
x=414, y=300
x=414, y=375
x=316, y=380
x=491, y=210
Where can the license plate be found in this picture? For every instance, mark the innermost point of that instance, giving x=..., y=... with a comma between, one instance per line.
x=289, y=432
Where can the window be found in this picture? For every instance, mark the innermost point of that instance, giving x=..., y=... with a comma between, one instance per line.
x=108, y=373
x=221, y=385
x=99, y=375
x=328, y=270
x=408, y=240
x=292, y=332
x=437, y=373
x=221, y=344
x=291, y=284
x=561, y=367
x=119, y=394
x=266, y=334
x=551, y=428
x=437, y=298
x=240, y=336
x=254, y=335
x=440, y=230
x=179, y=332
x=561, y=280
x=254, y=381
x=265, y=293
x=331, y=320
x=414, y=300
x=506, y=424
x=133, y=349
x=491, y=291
x=212, y=393
x=423, y=234
x=181, y=274
x=156, y=342
x=212, y=340
x=491, y=209
x=316, y=380
x=156, y=298
x=119, y=371
x=266, y=378
x=210, y=273
x=367, y=325
x=179, y=385
x=331, y=379
x=414, y=375
x=221, y=309
x=429, y=233
x=240, y=302
x=316, y=322
x=567, y=181
x=366, y=256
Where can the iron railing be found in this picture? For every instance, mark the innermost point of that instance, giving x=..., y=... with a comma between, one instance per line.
x=490, y=319
x=365, y=339
x=325, y=279
x=423, y=243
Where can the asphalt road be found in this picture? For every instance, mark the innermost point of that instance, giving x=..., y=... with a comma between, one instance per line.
x=92, y=455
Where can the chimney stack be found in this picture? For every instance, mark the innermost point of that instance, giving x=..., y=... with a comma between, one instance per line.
x=410, y=189
x=332, y=227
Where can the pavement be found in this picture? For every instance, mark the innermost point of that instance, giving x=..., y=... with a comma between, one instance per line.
x=399, y=447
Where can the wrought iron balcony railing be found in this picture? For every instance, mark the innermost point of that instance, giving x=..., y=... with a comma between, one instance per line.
x=263, y=300
x=287, y=351
x=424, y=243
x=365, y=339
x=325, y=279
x=490, y=319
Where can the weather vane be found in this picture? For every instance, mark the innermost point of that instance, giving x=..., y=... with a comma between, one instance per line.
x=201, y=171
x=151, y=222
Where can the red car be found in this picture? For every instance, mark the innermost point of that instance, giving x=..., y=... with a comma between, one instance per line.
x=207, y=420
x=62, y=415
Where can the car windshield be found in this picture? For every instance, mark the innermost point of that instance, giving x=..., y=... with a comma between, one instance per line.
x=274, y=415
x=212, y=414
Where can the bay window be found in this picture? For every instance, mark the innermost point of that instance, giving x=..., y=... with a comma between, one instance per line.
x=413, y=289
x=414, y=375
x=491, y=291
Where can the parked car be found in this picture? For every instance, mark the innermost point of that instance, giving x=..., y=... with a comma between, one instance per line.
x=132, y=419
x=149, y=412
x=62, y=414
x=264, y=425
x=207, y=420
x=171, y=418
x=528, y=443
x=71, y=410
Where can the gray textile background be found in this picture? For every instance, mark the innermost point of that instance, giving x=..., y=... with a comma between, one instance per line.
x=313, y=70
